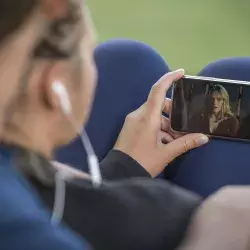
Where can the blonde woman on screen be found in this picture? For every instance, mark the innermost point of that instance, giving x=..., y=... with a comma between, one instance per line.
x=217, y=118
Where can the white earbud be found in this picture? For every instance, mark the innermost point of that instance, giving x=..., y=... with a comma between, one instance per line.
x=62, y=93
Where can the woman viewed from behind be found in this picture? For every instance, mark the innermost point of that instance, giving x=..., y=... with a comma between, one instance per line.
x=59, y=42
x=57, y=48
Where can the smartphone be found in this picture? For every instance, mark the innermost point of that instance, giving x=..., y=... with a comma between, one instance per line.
x=212, y=106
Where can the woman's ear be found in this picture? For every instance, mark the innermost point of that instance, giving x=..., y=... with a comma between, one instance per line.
x=51, y=97
x=59, y=89
x=53, y=76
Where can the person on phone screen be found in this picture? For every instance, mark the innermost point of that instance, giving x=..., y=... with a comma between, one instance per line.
x=217, y=118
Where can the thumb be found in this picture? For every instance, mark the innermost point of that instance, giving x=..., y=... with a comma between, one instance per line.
x=183, y=145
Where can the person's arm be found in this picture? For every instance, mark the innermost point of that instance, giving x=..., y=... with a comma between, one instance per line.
x=146, y=143
x=126, y=215
x=132, y=214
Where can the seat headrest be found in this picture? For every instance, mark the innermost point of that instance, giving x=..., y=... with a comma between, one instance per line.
x=236, y=68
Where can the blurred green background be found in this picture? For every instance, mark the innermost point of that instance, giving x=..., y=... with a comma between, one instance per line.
x=188, y=34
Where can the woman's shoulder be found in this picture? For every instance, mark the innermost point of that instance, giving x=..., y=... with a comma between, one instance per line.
x=231, y=119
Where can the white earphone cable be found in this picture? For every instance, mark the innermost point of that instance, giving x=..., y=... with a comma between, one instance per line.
x=59, y=203
x=93, y=164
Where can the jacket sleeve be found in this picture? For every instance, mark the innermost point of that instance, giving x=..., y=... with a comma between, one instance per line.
x=118, y=165
x=131, y=214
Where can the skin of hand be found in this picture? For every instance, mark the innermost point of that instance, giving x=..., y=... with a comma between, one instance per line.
x=146, y=135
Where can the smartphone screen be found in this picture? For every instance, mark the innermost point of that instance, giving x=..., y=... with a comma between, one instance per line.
x=211, y=106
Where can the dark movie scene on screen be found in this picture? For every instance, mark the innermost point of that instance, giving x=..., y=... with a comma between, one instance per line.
x=214, y=108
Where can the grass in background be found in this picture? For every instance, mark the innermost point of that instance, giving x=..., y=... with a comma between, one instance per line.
x=188, y=34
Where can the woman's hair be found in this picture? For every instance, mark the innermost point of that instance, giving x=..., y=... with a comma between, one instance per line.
x=13, y=13
x=58, y=41
x=59, y=38
x=226, y=109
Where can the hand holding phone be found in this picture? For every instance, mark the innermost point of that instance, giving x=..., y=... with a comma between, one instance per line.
x=215, y=107
x=146, y=135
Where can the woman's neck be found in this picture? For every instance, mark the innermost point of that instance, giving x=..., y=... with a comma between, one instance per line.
x=28, y=137
x=216, y=116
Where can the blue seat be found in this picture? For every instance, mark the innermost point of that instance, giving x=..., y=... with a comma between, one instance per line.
x=127, y=70
x=221, y=162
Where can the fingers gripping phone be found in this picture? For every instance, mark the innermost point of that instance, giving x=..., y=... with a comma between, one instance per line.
x=215, y=107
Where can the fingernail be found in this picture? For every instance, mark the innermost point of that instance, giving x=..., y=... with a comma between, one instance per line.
x=201, y=140
x=180, y=71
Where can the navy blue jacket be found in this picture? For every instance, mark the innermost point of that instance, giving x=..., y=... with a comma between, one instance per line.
x=24, y=221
